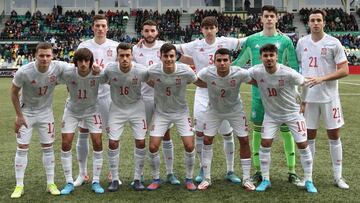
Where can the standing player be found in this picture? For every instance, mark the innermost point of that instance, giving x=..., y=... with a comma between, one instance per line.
x=147, y=54
x=104, y=51
x=36, y=82
x=223, y=84
x=202, y=51
x=125, y=80
x=287, y=56
x=277, y=85
x=170, y=80
x=81, y=106
x=323, y=59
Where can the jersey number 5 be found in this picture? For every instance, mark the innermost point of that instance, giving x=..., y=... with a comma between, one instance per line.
x=168, y=91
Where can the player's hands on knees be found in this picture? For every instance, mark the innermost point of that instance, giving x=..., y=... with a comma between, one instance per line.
x=312, y=81
x=20, y=121
x=95, y=69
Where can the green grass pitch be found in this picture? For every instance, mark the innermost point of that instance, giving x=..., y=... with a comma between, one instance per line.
x=220, y=191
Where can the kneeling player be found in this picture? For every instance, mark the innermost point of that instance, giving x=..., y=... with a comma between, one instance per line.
x=81, y=106
x=277, y=84
x=223, y=84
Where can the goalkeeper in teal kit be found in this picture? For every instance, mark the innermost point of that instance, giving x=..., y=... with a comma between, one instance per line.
x=287, y=56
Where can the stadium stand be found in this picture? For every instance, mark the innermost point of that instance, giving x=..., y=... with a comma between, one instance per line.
x=66, y=30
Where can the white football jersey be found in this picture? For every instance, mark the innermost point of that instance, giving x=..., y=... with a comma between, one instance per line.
x=277, y=90
x=170, y=89
x=147, y=57
x=319, y=59
x=37, y=88
x=125, y=88
x=103, y=54
x=223, y=92
x=203, y=53
x=83, y=91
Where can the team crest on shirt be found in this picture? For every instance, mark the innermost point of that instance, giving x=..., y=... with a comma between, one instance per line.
x=73, y=82
x=277, y=44
x=109, y=53
x=323, y=51
x=134, y=80
x=232, y=83
x=281, y=83
x=114, y=79
x=33, y=82
x=178, y=81
x=213, y=83
x=305, y=49
x=52, y=78
x=262, y=80
x=158, y=80
x=201, y=50
x=141, y=54
x=92, y=83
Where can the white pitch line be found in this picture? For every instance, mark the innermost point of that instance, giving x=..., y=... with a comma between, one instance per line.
x=350, y=83
x=350, y=94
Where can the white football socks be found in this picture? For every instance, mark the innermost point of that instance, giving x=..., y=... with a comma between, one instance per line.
x=21, y=160
x=265, y=161
x=82, y=150
x=229, y=148
x=48, y=159
x=168, y=153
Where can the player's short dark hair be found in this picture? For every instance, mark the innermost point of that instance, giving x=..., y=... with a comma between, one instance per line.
x=150, y=23
x=99, y=17
x=83, y=54
x=123, y=46
x=269, y=8
x=209, y=21
x=318, y=11
x=223, y=51
x=43, y=45
x=268, y=48
x=165, y=48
